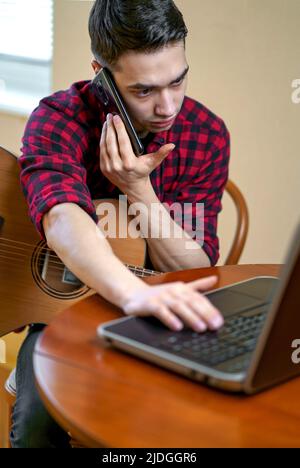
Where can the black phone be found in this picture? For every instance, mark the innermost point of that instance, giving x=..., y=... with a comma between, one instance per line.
x=109, y=95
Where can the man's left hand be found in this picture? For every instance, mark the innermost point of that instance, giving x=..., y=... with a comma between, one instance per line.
x=119, y=163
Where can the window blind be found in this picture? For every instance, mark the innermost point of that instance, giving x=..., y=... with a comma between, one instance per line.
x=26, y=38
x=26, y=28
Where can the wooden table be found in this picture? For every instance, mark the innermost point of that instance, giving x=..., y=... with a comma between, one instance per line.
x=107, y=398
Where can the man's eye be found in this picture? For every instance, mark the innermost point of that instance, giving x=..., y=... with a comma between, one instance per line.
x=178, y=82
x=144, y=92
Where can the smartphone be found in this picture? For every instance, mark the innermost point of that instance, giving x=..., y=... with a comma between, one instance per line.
x=109, y=95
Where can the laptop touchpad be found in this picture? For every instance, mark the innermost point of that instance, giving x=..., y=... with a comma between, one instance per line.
x=244, y=296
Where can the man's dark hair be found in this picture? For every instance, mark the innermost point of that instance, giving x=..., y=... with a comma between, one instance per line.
x=117, y=26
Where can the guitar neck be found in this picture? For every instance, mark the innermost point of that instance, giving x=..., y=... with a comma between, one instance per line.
x=142, y=272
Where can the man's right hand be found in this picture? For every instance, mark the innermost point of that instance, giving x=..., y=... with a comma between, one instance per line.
x=176, y=304
x=73, y=235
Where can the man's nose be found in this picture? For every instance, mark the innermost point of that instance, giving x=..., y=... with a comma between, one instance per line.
x=166, y=106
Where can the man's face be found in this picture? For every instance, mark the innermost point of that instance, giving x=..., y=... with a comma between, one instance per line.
x=152, y=86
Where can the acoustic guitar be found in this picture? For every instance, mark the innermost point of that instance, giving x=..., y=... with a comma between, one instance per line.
x=34, y=283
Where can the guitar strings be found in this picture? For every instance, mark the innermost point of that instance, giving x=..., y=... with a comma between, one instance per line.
x=61, y=267
x=60, y=263
x=136, y=270
x=21, y=258
x=52, y=254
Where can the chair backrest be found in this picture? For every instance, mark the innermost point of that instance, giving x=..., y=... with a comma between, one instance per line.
x=242, y=226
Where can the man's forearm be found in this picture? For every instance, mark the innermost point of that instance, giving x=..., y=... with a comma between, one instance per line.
x=170, y=253
x=80, y=244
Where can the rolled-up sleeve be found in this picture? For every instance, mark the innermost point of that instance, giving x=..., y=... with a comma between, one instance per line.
x=51, y=164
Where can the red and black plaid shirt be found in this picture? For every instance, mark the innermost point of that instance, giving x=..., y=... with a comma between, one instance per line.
x=60, y=159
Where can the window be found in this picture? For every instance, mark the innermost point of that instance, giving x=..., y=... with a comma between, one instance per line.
x=26, y=30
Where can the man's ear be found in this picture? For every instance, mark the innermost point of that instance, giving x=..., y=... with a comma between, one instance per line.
x=96, y=66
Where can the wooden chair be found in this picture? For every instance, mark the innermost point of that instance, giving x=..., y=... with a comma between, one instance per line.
x=242, y=225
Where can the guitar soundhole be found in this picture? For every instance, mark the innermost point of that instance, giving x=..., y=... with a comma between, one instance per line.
x=51, y=275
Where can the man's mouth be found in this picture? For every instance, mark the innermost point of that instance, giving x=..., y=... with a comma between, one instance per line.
x=163, y=123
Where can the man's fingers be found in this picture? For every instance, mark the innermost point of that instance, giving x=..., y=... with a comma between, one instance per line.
x=204, y=283
x=155, y=159
x=162, y=153
x=125, y=146
x=188, y=315
x=202, y=304
x=178, y=303
x=104, y=159
x=103, y=136
x=111, y=138
x=161, y=311
x=166, y=149
x=164, y=314
x=197, y=310
x=204, y=309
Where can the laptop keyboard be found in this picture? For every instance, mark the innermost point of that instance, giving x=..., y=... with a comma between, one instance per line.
x=237, y=337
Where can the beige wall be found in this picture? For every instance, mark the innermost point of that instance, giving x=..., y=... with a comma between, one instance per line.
x=244, y=55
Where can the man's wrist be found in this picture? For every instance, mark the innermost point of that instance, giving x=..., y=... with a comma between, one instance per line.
x=140, y=192
x=125, y=294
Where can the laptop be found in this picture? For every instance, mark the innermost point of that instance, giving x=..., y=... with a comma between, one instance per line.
x=255, y=348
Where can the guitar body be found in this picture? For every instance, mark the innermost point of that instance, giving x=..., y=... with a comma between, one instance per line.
x=34, y=283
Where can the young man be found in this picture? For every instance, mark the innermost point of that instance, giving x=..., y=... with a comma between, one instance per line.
x=73, y=153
